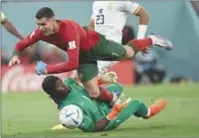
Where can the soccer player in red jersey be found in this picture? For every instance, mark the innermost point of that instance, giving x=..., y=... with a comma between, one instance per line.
x=84, y=47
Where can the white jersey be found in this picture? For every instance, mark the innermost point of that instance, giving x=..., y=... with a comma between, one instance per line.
x=110, y=17
x=2, y=17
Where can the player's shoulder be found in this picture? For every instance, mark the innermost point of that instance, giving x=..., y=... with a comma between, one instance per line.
x=36, y=33
x=67, y=22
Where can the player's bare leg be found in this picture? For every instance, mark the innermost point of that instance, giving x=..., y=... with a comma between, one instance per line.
x=92, y=87
x=135, y=46
x=99, y=92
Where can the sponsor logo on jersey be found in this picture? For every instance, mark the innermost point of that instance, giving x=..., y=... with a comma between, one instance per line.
x=72, y=45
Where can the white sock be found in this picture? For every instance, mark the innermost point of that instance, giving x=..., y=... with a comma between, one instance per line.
x=149, y=112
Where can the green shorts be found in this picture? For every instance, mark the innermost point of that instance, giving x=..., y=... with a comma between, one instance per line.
x=106, y=50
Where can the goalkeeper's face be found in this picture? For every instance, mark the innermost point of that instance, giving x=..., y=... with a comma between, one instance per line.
x=55, y=87
x=60, y=88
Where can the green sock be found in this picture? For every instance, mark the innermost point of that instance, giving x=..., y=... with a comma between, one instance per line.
x=142, y=111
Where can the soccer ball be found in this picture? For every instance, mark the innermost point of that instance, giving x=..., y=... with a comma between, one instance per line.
x=71, y=116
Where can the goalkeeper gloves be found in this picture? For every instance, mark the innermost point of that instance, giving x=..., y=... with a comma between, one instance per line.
x=117, y=108
x=109, y=77
x=41, y=67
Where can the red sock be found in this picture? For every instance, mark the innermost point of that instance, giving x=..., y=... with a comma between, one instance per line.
x=99, y=81
x=140, y=44
x=105, y=96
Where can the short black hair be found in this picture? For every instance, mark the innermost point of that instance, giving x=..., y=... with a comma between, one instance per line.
x=45, y=12
x=48, y=84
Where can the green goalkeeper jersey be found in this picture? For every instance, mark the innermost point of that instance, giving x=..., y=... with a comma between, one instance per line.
x=93, y=110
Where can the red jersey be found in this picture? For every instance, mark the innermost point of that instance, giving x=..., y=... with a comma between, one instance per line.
x=71, y=38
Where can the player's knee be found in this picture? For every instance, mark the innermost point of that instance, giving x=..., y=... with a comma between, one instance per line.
x=129, y=52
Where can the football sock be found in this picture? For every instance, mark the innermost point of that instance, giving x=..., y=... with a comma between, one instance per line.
x=140, y=44
x=143, y=111
x=105, y=95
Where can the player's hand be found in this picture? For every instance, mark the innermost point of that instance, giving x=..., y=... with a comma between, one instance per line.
x=109, y=77
x=14, y=60
x=41, y=68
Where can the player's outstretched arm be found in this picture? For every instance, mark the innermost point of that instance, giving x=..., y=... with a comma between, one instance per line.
x=73, y=39
x=24, y=43
x=143, y=22
x=10, y=28
x=134, y=8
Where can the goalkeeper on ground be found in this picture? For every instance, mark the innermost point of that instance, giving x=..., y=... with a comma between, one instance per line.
x=96, y=115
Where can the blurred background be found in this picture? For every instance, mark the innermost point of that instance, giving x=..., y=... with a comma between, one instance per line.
x=28, y=112
x=178, y=21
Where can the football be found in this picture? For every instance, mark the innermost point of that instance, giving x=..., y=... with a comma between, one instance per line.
x=71, y=116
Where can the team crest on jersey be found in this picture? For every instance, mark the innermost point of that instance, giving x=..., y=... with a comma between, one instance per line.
x=72, y=45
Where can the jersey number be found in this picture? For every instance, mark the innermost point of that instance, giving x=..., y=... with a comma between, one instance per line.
x=100, y=19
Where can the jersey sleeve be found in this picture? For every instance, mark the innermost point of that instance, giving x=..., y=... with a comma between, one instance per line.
x=3, y=17
x=73, y=38
x=28, y=40
x=130, y=6
x=87, y=124
x=93, y=11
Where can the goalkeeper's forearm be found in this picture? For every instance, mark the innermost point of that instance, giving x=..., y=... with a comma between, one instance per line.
x=117, y=112
x=101, y=124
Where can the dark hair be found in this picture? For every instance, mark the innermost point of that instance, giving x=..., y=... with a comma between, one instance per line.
x=45, y=12
x=48, y=86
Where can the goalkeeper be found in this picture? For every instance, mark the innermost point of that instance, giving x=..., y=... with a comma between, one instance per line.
x=97, y=115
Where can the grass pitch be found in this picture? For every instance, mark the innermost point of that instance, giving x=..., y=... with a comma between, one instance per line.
x=33, y=114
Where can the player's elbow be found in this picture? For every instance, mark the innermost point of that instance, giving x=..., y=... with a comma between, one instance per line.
x=18, y=46
x=142, y=13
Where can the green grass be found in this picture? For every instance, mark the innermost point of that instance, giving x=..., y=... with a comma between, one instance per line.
x=33, y=114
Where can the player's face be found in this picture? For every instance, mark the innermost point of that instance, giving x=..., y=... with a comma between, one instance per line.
x=46, y=25
x=61, y=88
